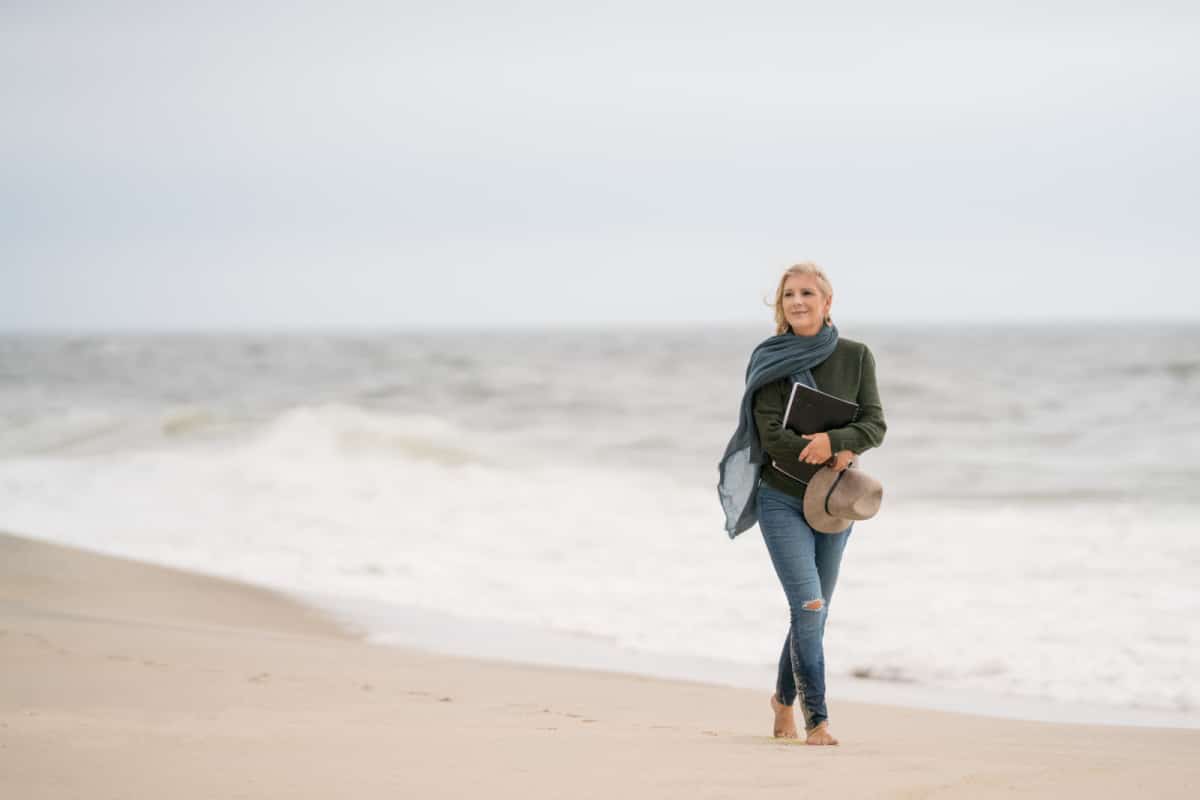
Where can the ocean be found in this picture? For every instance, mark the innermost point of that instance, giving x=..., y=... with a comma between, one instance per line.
x=550, y=495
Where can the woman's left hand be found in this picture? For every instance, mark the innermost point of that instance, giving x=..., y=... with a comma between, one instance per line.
x=842, y=460
x=818, y=450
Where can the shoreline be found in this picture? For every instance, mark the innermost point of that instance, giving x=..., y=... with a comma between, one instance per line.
x=130, y=679
x=443, y=633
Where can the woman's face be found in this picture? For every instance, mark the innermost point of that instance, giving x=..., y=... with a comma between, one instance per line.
x=804, y=304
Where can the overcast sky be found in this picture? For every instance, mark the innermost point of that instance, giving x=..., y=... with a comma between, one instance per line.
x=294, y=165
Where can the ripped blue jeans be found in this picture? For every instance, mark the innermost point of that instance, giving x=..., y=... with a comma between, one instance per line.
x=807, y=564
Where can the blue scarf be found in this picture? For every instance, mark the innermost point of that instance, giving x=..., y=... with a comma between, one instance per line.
x=780, y=356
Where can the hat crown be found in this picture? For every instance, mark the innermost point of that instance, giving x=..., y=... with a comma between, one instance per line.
x=856, y=496
x=833, y=500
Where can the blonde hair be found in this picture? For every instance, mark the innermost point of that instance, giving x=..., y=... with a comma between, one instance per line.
x=803, y=268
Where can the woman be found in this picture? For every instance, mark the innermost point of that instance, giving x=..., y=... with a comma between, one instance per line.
x=806, y=348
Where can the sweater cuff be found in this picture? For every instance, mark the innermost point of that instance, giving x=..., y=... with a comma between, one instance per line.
x=841, y=439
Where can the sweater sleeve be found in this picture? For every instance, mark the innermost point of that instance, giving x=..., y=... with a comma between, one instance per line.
x=867, y=431
x=782, y=444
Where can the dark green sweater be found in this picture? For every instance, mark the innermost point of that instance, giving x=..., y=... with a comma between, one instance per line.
x=848, y=373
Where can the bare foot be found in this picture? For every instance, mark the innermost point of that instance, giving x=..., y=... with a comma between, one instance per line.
x=785, y=720
x=820, y=735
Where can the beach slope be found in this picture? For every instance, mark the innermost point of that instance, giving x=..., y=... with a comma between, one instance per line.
x=124, y=680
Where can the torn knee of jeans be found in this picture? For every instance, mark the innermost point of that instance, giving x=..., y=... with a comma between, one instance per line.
x=814, y=605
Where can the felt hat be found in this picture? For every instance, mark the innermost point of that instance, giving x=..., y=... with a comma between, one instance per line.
x=833, y=500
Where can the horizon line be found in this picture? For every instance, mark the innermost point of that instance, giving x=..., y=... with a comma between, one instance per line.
x=559, y=325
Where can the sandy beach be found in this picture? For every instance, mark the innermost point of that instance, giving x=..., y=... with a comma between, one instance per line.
x=129, y=680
